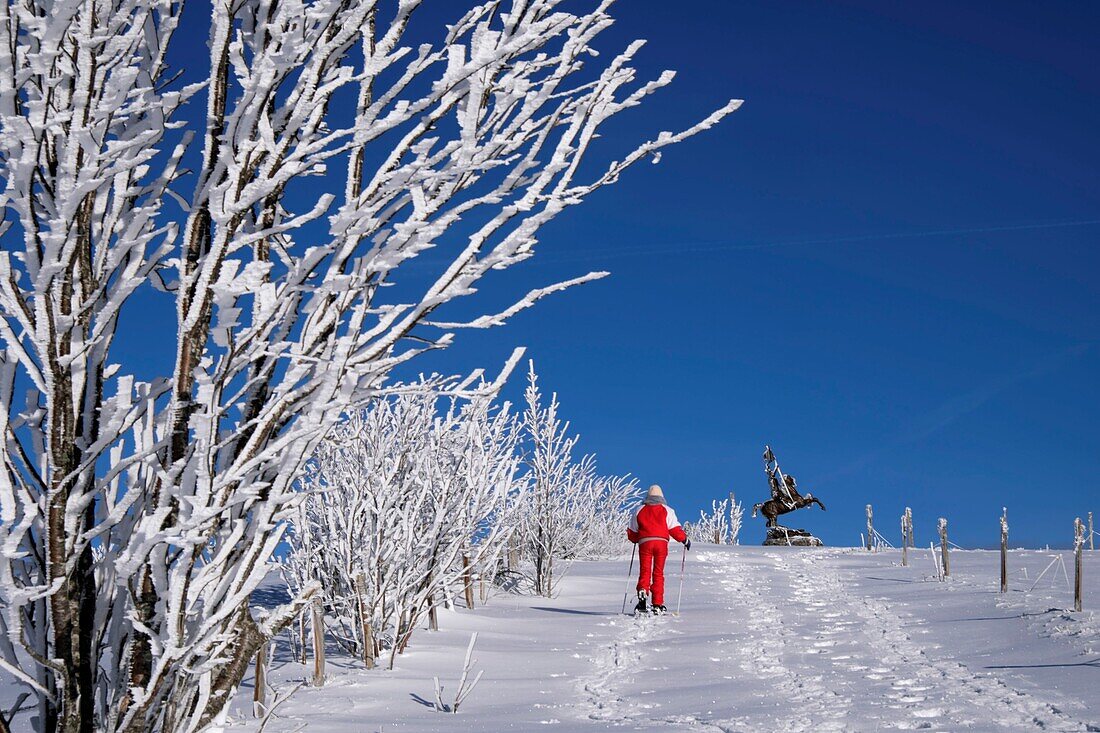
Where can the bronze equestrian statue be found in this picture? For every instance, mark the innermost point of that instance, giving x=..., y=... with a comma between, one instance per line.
x=785, y=496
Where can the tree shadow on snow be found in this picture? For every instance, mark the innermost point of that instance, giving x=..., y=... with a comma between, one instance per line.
x=573, y=611
x=271, y=596
x=422, y=701
x=975, y=618
x=1093, y=663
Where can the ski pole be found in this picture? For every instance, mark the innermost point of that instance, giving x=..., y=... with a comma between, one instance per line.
x=629, y=574
x=680, y=593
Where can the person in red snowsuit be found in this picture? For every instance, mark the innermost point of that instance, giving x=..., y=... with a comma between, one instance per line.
x=650, y=528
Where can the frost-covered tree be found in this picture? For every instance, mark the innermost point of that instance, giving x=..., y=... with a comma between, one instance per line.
x=137, y=515
x=401, y=497
x=721, y=526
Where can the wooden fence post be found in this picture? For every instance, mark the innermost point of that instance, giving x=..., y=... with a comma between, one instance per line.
x=468, y=581
x=909, y=524
x=870, y=529
x=1078, y=546
x=943, y=548
x=259, y=692
x=316, y=610
x=731, y=517
x=904, y=543
x=1004, y=549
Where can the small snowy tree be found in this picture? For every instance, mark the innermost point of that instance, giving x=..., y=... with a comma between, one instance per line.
x=570, y=511
x=721, y=526
x=555, y=482
x=137, y=516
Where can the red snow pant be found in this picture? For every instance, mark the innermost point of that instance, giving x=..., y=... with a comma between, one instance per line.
x=651, y=571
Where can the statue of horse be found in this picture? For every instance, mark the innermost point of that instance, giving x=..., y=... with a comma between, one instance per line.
x=784, y=489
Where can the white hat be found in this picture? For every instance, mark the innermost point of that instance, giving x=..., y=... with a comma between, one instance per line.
x=655, y=491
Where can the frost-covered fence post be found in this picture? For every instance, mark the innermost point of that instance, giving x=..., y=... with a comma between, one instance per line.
x=904, y=544
x=909, y=524
x=1004, y=549
x=870, y=529
x=317, y=616
x=259, y=691
x=942, y=525
x=732, y=521
x=1078, y=546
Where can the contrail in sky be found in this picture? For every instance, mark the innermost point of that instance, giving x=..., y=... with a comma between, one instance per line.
x=552, y=257
x=726, y=246
x=951, y=410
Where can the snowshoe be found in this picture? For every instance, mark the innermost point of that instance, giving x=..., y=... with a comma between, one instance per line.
x=659, y=610
x=643, y=603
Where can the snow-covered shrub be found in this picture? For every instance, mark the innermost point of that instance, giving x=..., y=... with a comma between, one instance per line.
x=721, y=526
x=398, y=499
x=139, y=509
x=603, y=533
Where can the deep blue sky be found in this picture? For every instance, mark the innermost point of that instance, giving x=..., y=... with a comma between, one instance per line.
x=884, y=265
x=859, y=267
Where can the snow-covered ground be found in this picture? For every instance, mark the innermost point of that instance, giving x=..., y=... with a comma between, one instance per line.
x=769, y=639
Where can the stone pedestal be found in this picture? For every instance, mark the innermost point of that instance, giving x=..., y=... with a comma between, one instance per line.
x=787, y=537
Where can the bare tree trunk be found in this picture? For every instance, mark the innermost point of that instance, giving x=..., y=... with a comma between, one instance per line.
x=549, y=574
x=72, y=607
x=364, y=621
x=513, y=554
x=303, y=641
x=433, y=615
x=467, y=582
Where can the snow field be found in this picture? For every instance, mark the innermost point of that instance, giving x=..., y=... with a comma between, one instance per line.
x=783, y=639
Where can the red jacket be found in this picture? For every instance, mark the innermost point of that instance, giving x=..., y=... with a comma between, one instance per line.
x=655, y=522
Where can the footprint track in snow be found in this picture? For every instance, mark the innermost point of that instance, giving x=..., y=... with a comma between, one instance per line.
x=817, y=656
